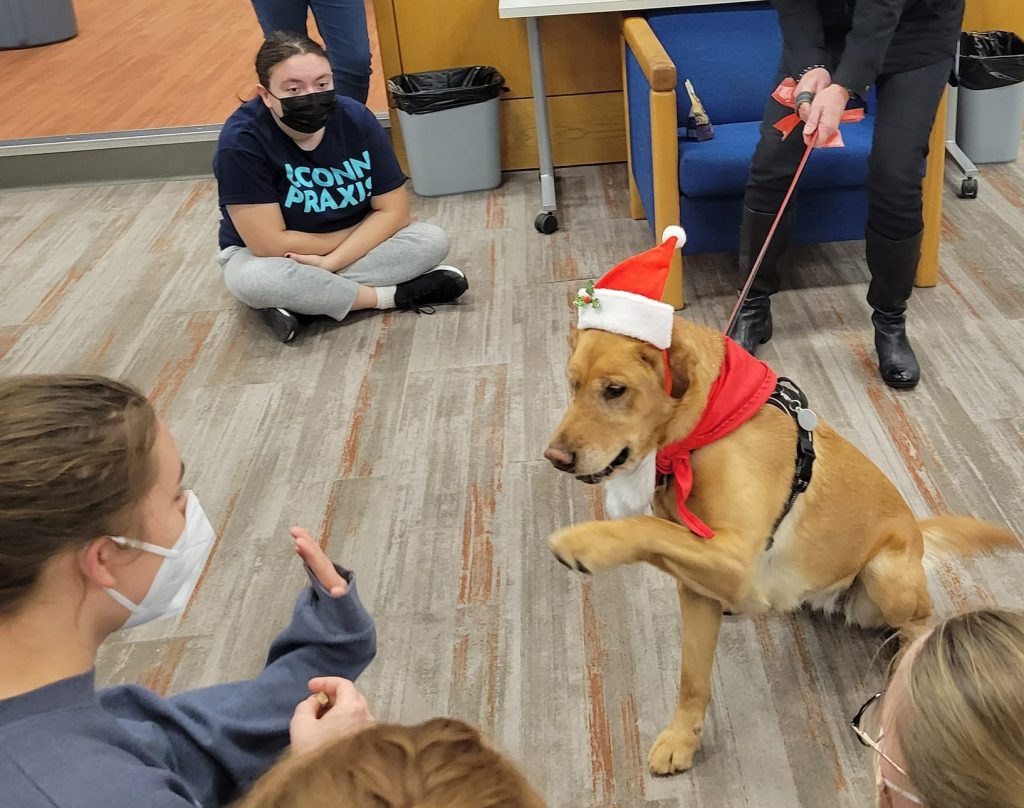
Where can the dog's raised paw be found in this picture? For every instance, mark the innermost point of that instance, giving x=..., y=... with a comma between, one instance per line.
x=591, y=547
x=672, y=752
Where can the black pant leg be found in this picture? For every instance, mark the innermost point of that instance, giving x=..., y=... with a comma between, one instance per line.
x=907, y=103
x=775, y=160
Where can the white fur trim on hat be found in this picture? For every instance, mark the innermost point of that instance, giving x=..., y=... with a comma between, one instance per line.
x=678, y=232
x=630, y=315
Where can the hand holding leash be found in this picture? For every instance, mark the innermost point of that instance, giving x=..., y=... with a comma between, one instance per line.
x=826, y=111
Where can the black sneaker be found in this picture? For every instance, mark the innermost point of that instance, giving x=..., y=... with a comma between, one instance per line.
x=282, y=322
x=443, y=284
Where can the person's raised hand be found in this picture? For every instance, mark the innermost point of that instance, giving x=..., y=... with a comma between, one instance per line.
x=319, y=564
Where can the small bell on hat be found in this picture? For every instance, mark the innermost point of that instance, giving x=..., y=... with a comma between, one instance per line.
x=627, y=300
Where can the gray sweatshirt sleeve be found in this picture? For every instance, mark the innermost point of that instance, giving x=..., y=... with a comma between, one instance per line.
x=220, y=739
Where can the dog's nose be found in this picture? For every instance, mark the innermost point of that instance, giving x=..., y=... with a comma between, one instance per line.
x=560, y=458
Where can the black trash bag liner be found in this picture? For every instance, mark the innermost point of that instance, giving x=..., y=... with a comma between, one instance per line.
x=990, y=59
x=437, y=90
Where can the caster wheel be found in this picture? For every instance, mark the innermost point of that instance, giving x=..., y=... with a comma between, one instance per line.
x=546, y=223
x=969, y=189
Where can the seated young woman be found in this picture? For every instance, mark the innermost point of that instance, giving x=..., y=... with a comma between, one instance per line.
x=97, y=532
x=314, y=213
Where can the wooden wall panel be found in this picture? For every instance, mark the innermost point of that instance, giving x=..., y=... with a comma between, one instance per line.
x=983, y=15
x=580, y=51
x=585, y=129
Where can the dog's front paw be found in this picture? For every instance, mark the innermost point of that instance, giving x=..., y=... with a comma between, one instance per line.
x=590, y=547
x=673, y=752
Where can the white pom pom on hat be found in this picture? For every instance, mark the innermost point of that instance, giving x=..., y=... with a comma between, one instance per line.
x=678, y=232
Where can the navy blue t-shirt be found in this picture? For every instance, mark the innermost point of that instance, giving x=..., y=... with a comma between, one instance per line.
x=319, y=191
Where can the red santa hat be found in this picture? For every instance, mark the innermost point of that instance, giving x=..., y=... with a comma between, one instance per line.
x=627, y=300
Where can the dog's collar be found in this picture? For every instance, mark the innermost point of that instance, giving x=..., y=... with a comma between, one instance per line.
x=791, y=400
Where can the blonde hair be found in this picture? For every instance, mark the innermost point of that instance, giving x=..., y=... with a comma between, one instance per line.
x=961, y=729
x=442, y=763
x=75, y=457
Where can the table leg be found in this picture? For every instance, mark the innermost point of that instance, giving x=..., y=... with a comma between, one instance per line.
x=969, y=185
x=546, y=221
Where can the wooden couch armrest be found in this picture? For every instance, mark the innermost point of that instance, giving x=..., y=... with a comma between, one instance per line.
x=660, y=73
x=928, y=268
x=658, y=68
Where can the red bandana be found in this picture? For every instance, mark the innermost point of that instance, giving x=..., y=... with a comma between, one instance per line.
x=743, y=386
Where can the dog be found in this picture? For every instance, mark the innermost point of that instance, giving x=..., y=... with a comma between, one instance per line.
x=849, y=545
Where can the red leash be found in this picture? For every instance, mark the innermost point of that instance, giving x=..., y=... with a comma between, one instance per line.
x=768, y=241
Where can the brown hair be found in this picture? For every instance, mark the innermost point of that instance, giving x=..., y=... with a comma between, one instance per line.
x=442, y=763
x=282, y=45
x=961, y=729
x=75, y=456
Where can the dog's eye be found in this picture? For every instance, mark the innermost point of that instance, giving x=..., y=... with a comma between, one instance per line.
x=614, y=391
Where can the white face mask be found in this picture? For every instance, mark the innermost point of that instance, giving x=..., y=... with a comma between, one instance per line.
x=179, y=573
x=887, y=790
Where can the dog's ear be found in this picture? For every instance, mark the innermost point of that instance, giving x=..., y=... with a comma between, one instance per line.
x=680, y=362
x=574, y=337
x=680, y=376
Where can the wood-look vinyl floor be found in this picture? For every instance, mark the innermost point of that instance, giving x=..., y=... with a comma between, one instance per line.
x=412, y=446
x=149, y=64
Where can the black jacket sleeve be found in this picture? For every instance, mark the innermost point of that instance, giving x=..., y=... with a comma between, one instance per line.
x=874, y=23
x=803, y=35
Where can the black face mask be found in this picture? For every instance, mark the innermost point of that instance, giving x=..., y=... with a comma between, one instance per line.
x=306, y=113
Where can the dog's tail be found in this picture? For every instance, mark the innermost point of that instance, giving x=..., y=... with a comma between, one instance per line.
x=964, y=535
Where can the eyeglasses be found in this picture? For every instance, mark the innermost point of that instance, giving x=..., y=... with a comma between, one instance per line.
x=867, y=726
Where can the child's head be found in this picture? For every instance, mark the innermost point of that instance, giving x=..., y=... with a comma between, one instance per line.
x=442, y=763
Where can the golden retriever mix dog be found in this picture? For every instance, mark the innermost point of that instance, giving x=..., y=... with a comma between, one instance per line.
x=850, y=544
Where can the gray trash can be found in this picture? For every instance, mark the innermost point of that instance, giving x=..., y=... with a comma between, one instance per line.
x=450, y=126
x=26, y=23
x=990, y=105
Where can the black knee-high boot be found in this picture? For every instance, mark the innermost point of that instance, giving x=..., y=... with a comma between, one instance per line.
x=753, y=326
x=893, y=266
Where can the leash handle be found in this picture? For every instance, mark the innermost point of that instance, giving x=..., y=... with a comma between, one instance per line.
x=768, y=240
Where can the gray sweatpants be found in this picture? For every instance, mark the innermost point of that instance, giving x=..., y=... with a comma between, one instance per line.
x=264, y=283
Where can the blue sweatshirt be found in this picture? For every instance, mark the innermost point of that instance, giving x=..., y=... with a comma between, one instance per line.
x=67, y=745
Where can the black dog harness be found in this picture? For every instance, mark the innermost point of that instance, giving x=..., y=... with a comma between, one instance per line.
x=791, y=400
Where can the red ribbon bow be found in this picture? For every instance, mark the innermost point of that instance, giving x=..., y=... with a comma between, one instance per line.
x=785, y=94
